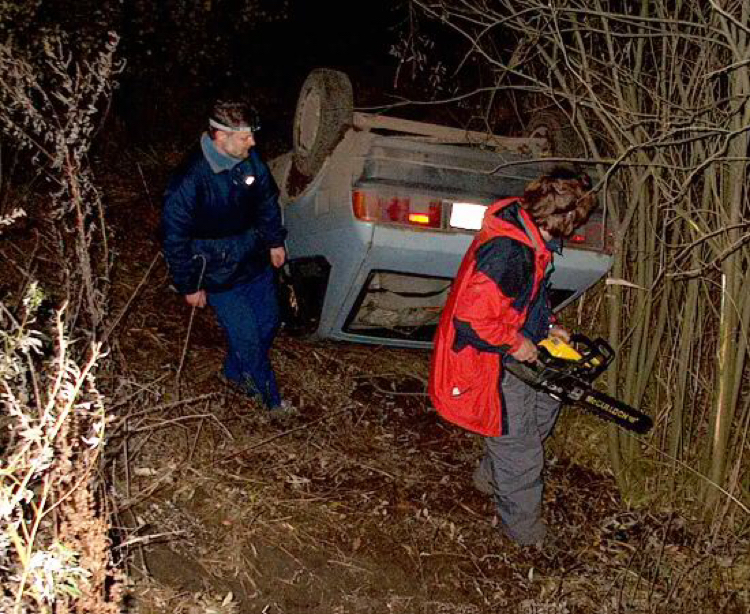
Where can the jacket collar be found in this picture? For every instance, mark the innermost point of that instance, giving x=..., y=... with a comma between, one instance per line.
x=216, y=160
x=508, y=218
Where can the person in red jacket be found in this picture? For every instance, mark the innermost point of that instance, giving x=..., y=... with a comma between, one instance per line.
x=499, y=308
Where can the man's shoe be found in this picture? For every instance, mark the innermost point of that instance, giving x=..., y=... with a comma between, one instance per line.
x=551, y=546
x=283, y=411
x=548, y=545
x=482, y=482
x=232, y=385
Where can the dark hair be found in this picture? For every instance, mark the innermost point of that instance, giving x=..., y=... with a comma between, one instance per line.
x=233, y=112
x=560, y=201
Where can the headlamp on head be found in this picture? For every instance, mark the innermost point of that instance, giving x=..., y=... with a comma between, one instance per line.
x=252, y=124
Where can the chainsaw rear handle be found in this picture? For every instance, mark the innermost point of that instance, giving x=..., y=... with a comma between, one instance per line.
x=595, y=357
x=597, y=354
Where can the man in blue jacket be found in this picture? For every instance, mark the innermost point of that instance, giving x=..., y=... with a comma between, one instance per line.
x=222, y=233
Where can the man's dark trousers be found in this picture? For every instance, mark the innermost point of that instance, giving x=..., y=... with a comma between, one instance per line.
x=249, y=314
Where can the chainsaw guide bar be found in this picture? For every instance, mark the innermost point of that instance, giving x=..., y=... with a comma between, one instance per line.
x=569, y=379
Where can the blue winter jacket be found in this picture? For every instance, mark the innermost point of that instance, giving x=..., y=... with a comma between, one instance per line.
x=218, y=227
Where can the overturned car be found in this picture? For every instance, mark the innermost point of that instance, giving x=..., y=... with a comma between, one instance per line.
x=381, y=211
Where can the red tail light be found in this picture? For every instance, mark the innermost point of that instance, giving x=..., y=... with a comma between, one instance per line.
x=592, y=235
x=408, y=210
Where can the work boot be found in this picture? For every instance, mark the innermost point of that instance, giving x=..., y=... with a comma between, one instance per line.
x=552, y=546
x=235, y=389
x=536, y=539
x=482, y=480
x=283, y=411
x=233, y=386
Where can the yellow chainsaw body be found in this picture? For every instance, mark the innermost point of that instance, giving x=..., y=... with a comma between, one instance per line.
x=559, y=349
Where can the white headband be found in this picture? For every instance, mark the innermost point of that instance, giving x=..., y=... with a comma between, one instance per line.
x=214, y=124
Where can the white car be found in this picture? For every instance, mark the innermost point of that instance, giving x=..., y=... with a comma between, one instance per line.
x=381, y=211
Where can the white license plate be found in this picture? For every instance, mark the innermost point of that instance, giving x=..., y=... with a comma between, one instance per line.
x=467, y=216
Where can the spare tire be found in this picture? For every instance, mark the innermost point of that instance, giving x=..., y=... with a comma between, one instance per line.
x=324, y=111
x=555, y=126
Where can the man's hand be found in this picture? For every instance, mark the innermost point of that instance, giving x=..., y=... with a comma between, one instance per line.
x=527, y=352
x=196, y=299
x=278, y=256
x=560, y=333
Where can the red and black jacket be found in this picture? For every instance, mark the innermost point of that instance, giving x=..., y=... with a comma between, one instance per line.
x=497, y=283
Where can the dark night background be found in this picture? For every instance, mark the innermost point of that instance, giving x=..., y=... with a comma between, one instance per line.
x=180, y=55
x=178, y=63
x=265, y=61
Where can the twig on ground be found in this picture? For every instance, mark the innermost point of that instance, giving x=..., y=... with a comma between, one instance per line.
x=280, y=435
x=125, y=309
x=166, y=423
x=147, y=539
x=165, y=406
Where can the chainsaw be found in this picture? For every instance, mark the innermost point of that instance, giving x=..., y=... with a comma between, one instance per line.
x=566, y=371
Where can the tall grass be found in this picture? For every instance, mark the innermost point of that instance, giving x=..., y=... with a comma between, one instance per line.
x=656, y=94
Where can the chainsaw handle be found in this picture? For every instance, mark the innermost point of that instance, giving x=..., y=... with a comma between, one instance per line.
x=598, y=350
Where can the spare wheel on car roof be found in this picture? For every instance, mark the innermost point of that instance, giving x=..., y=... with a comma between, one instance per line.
x=324, y=111
x=555, y=126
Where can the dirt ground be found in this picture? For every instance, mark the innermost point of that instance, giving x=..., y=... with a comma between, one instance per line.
x=362, y=503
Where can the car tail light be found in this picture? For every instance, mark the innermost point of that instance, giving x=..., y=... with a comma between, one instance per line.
x=404, y=209
x=592, y=235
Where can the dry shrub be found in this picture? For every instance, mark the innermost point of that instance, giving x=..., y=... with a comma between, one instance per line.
x=49, y=105
x=54, y=546
x=54, y=550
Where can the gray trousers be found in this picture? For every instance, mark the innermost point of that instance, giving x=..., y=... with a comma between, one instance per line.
x=513, y=462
